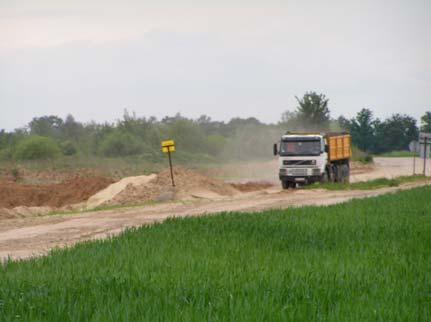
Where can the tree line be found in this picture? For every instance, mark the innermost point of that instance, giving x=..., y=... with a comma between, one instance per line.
x=369, y=134
x=203, y=138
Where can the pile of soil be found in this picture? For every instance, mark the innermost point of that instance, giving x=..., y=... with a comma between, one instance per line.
x=72, y=191
x=189, y=184
x=104, y=196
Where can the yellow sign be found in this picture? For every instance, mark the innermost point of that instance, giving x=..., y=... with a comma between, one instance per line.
x=168, y=146
x=167, y=149
x=168, y=143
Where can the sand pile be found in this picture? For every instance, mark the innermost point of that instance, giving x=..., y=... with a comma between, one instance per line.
x=189, y=185
x=105, y=196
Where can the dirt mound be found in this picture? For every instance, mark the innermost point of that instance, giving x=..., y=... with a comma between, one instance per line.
x=110, y=192
x=251, y=186
x=69, y=192
x=190, y=184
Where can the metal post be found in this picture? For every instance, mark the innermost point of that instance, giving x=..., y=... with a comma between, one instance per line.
x=425, y=154
x=170, y=165
x=414, y=163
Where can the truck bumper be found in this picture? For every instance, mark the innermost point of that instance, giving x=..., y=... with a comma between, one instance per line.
x=300, y=175
x=305, y=175
x=300, y=179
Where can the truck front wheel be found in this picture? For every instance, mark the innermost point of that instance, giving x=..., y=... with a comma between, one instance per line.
x=288, y=184
x=324, y=178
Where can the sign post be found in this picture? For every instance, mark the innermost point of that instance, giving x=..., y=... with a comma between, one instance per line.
x=415, y=149
x=424, y=142
x=168, y=146
x=425, y=154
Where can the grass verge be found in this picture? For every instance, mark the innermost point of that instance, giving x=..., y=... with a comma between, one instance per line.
x=397, y=154
x=368, y=185
x=366, y=260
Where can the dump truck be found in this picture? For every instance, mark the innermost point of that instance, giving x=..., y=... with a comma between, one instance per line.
x=313, y=157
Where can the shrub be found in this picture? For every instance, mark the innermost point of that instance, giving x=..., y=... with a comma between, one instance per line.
x=117, y=144
x=68, y=148
x=36, y=147
x=216, y=144
x=15, y=174
x=5, y=154
x=361, y=156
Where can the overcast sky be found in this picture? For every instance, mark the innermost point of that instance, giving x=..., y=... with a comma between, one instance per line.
x=221, y=58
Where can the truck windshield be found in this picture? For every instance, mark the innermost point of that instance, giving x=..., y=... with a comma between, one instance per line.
x=296, y=147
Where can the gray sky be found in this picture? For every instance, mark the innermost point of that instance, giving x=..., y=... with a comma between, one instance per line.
x=220, y=58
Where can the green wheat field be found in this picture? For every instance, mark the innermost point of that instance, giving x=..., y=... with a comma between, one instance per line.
x=365, y=260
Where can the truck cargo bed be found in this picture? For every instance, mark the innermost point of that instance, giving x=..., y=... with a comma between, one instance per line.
x=339, y=147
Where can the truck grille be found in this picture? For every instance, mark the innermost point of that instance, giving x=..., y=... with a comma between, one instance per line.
x=297, y=162
x=297, y=172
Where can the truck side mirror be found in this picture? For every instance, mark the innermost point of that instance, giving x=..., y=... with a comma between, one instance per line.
x=275, y=149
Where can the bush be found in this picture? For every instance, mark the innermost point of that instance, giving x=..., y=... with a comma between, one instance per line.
x=5, y=154
x=361, y=156
x=15, y=174
x=68, y=148
x=36, y=147
x=216, y=144
x=117, y=144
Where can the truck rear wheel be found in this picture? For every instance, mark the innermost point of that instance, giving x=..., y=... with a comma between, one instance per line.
x=338, y=173
x=345, y=173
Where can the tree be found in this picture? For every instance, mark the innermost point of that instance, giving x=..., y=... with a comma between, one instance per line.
x=187, y=133
x=216, y=144
x=71, y=129
x=426, y=122
x=362, y=130
x=313, y=110
x=36, y=147
x=49, y=126
x=344, y=123
x=395, y=133
x=119, y=144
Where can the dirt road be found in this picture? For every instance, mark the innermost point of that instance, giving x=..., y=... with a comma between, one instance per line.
x=21, y=238
x=268, y=171
x=35, y=236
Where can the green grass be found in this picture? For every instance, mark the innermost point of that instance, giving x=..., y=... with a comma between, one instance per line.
x=368, y=185
x=396, y=154
x=366, y=260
